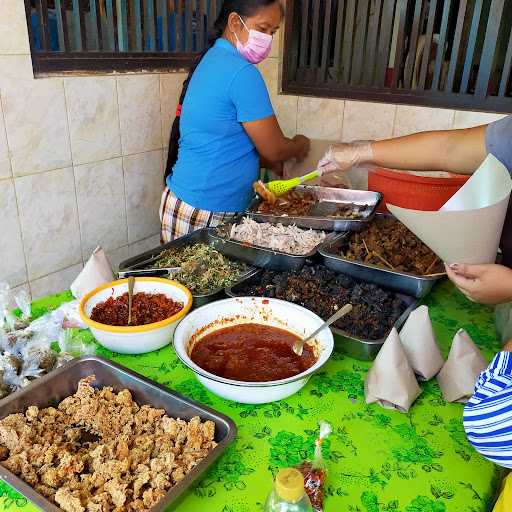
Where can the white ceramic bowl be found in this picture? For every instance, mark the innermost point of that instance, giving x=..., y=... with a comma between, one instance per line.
x=142, y=338
x=239, y=310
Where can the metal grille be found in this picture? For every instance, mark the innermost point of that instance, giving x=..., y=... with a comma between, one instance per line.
x=446, y=53
x=74, y=35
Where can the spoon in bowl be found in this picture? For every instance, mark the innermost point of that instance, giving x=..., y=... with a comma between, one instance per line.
x=299, y=345
x=131, y=283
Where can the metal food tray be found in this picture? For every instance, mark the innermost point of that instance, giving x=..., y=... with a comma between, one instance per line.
x=49, y=390
x=401, y=282
x=261, y=256
x=336, y=195
x=146, y=258
x=358, y=348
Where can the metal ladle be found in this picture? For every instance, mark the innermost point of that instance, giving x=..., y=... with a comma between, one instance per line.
x=131, y=284
x=299, y=345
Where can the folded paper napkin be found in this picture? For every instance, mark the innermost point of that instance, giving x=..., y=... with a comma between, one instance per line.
x=391, y=381
x=420, y=344
x=97, y=271
x=459, y=374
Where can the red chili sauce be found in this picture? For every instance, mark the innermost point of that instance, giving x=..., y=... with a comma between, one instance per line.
x=252, y=353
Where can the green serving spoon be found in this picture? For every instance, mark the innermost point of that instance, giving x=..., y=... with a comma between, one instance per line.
x=280, y=187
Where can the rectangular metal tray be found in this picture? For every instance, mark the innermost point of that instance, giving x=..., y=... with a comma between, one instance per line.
x=61, y=383
x=200, y=236
x=401, y=282
x=358, y=348
x=338, y=195
x=261, y=256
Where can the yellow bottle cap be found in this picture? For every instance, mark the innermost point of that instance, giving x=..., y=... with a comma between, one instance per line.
x=290, y=484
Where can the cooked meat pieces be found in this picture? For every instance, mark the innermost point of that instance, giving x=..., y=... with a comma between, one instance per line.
x=323, y=291
x=293, y=204
x=388, y=243
x=99, y=451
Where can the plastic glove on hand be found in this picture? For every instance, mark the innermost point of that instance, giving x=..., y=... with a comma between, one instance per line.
x=341, y=157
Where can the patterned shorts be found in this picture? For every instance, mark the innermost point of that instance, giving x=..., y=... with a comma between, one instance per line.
x=179, y=218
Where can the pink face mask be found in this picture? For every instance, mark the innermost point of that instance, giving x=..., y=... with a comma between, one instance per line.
x=257, y=47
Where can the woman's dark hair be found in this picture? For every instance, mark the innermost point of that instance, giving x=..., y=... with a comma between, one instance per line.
x=244, y=8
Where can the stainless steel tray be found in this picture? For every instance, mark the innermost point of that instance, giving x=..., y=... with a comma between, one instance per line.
x=146, y=258
x=61, y=383
x=337, y=195
x=358, y=348
x=402, y=282
x=261, y=256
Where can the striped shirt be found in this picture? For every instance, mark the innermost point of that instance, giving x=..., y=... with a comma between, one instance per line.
x=488, y=414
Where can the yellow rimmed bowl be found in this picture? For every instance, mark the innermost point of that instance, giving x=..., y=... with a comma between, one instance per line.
x=141, y=338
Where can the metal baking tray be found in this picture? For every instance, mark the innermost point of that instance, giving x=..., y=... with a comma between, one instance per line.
x=261, y=256
x=358, y=348
x=141, y=262
x=401, y=282
x=336, y=195
x=52, y=388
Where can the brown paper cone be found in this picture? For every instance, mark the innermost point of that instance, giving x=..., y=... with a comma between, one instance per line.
x=420, y=344
x=458, y=376
x=97, y=271
x=391, y=381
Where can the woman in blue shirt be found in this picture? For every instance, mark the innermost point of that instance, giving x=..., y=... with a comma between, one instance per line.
x=225, y=125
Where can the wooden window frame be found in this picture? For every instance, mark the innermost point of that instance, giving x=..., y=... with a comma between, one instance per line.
x=298, y=83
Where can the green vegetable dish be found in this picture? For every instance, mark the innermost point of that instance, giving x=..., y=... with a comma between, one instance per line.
x=203, y=269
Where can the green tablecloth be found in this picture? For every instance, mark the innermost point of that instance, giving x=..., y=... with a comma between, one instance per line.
x=378, y=460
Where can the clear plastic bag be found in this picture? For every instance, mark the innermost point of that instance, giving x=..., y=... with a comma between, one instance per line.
x=503, y=321
x=314, y=471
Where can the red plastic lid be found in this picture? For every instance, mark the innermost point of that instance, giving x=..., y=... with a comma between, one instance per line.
x=400, y=175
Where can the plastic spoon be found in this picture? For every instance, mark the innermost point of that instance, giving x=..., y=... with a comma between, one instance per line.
x=131, y=283
x=299, y=345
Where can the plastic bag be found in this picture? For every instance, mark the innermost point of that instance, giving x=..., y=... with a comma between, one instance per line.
x=22, y=300
x=503, y=321
x=72, y=343
x=314, y=471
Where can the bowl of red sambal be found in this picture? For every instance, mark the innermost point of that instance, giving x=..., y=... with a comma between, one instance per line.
x=158, y=305
x=242, y=348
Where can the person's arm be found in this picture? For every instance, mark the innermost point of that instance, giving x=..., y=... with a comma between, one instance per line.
x=486, y=284
x=459, y=151
x=272, y=145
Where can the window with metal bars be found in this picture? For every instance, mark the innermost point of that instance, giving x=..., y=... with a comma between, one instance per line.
x=440, y=53
x=124, y=35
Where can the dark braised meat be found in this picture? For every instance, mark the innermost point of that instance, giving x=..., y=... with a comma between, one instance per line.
x=387, y=243
x=293, y=204
x=323, y=291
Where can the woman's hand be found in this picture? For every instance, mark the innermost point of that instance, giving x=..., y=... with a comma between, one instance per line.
x=341, y=157
x=486, y=284
x=303, y=145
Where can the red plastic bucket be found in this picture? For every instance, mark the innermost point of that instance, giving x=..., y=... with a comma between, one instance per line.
x=412, y=191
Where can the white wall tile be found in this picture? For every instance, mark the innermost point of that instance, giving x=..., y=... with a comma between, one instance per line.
x=55, y=282
x=144, y=245
x=5, y=163
x=171, y=85
x=101, y=205
x=285, y=107
x=35, y=118
x=49, y=221
x=367, y=121
x=420, y=119
x=139, y=112
x=116, y=256
x=13, y=27
x=12, y=267
x=320, y=118
x=465, y=119
x=93, y=118
x=143, y=176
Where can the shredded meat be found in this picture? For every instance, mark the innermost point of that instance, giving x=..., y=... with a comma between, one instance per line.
x=99, y=451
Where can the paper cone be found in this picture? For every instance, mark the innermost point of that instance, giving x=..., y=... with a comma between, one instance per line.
x=465, y=362
x=468, y=227
x=420, y=345
x=391, y=382
x=97, y=271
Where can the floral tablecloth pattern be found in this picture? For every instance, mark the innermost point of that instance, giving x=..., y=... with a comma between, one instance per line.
x=377, y=460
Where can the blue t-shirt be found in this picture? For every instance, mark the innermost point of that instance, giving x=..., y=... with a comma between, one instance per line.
x=498, y=141
x=217, y=161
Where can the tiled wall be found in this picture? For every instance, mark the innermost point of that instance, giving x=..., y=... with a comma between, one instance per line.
x=81, y=158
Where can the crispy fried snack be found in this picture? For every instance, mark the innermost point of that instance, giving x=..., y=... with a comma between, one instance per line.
x=99, y=451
